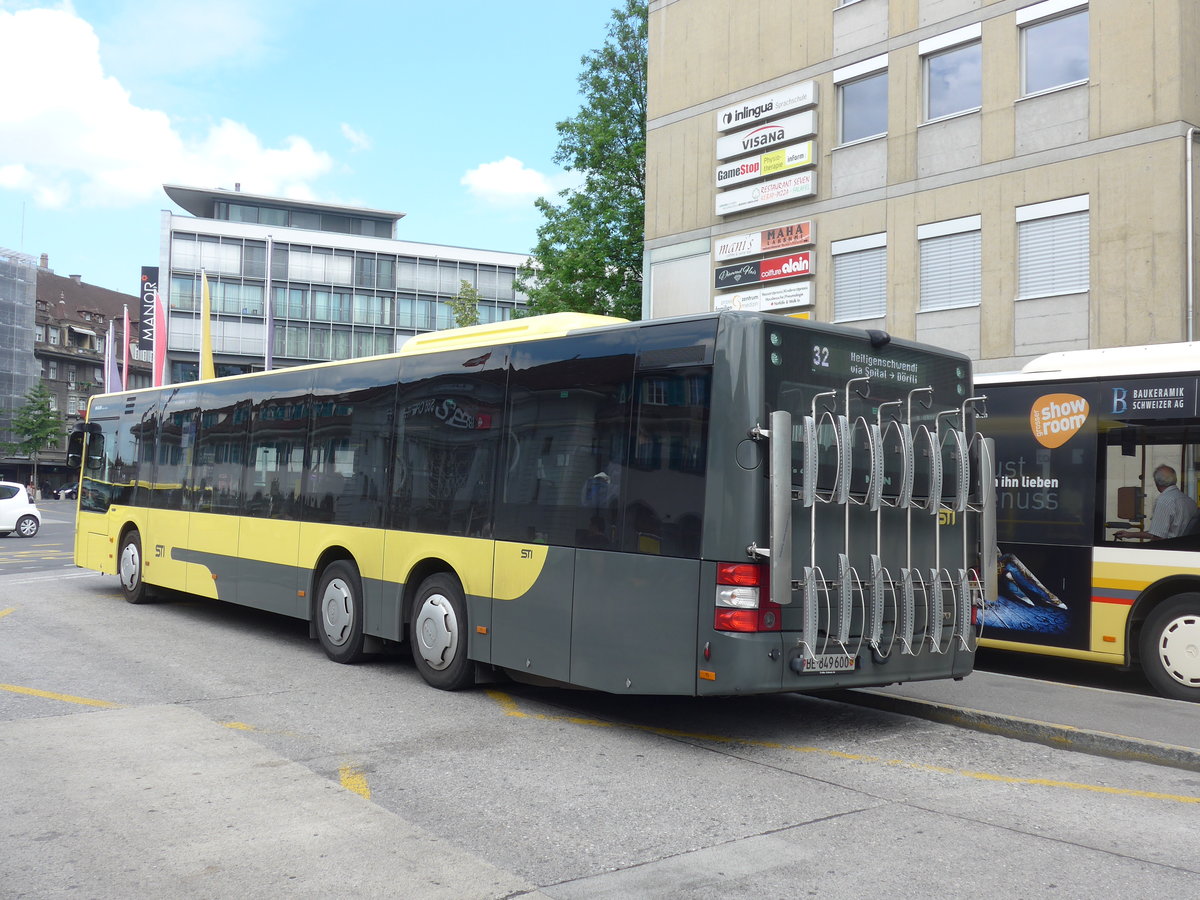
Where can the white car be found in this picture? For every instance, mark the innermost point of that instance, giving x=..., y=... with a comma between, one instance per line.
x=16, y=512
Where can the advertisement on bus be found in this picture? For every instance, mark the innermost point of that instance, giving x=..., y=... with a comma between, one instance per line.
x=1045, y=508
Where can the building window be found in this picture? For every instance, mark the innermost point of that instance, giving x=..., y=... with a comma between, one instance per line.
x=953, y=65
x=860, y=278
x=40, y=334
x=1053, y=250
x=52, y=370
x=1054, y=47
x=863, y=100
x=52, y=332
x=951, y=263
x=71, y=378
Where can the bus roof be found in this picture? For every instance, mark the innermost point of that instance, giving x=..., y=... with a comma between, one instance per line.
x=531, y=328
x=1149, y=359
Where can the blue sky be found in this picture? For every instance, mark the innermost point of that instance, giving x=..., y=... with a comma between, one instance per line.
x=444, y=111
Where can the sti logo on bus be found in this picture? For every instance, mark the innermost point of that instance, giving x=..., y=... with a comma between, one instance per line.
x=1055, y=418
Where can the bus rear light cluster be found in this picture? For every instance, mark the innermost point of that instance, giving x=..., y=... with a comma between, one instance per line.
x=741, y=602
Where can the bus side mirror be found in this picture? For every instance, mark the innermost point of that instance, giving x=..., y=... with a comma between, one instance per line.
x=95, y=450
x=75, y=449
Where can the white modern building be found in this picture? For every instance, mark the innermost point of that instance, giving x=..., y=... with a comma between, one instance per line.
x=339, y=283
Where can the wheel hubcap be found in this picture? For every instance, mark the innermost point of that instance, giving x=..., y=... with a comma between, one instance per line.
x=1179, y=650
x=437, y=631
x=337, y=611
x=28, y=527
x=131, y=567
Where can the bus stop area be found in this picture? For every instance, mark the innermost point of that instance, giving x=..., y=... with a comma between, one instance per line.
x=1083, y=719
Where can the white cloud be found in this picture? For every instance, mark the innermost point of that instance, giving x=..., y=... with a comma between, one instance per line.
x=75, y=135
x=507, y=182
x=358, y=139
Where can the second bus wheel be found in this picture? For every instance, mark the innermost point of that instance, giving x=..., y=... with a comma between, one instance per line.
x=339, y=612
x=129, y=568
x=438, y=634
x=1170, y=647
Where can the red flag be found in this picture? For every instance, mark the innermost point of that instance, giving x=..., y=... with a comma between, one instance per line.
x=160, y=339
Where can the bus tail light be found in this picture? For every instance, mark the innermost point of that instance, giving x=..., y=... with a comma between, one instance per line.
x=741, y=602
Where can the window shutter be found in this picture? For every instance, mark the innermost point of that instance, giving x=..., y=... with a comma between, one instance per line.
x=951, y=267
x=860, y=284
x=1053, y=255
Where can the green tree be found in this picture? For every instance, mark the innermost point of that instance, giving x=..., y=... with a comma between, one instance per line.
x=465, y=305
x=588, y=256
x=36, y=425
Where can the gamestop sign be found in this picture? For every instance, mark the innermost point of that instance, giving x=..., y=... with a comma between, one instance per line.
x=793, y=128
x=792, y=187
x=798, y=96
x=772, y=163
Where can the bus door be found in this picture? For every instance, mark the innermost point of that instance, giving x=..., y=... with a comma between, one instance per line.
x=564, y=441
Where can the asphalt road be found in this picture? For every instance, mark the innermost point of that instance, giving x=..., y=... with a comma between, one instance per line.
x=189, y=748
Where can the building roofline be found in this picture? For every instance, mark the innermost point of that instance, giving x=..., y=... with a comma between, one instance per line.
x=201, y=202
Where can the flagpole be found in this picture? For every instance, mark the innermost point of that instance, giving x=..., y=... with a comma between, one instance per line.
x=207, y=369
x=125, y=352
x=269, y=321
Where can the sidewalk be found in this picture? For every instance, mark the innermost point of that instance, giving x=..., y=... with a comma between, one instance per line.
x=1083, y=719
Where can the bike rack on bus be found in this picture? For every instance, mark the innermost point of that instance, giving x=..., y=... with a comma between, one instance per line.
x=964, y=585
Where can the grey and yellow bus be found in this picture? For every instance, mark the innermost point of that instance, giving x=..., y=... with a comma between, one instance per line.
x=724, y=503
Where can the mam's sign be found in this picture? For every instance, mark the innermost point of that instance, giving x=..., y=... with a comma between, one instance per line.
x=767, y=106
x=777, y=237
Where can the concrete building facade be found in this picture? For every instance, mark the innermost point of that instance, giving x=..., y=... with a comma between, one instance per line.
x=339, y=282
x=1006, y=177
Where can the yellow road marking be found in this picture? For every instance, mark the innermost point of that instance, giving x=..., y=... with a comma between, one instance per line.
x=510, y=708
x=65, y=698
x=239, y=726
x=353, y=779
x=5, y=612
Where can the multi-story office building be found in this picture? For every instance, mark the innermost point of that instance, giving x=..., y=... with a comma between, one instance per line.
x=1007, y=177
x=340, y=284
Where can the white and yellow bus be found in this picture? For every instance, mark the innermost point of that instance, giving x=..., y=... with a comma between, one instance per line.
x=725, y=503
x=1086, y=572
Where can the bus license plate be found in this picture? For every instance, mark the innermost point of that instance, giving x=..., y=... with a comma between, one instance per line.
x=828, y=662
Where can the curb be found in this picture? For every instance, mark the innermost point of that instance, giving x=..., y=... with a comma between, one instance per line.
x=1063, y=737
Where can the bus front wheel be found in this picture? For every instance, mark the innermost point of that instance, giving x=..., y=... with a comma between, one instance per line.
x=1170, y=647
x=340, y=612
x=438, y=634
x=129, y=568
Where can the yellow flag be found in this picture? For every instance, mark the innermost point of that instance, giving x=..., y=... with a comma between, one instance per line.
x=207, y=370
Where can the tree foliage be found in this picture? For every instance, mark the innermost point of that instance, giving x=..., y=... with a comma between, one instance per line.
x=465, y=305
x=35, y=424
x=588, y=256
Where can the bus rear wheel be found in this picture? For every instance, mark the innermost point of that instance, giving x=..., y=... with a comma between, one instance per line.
x=438, y=634
x=340, y=612
x=1170, y=647
x=129, y=568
